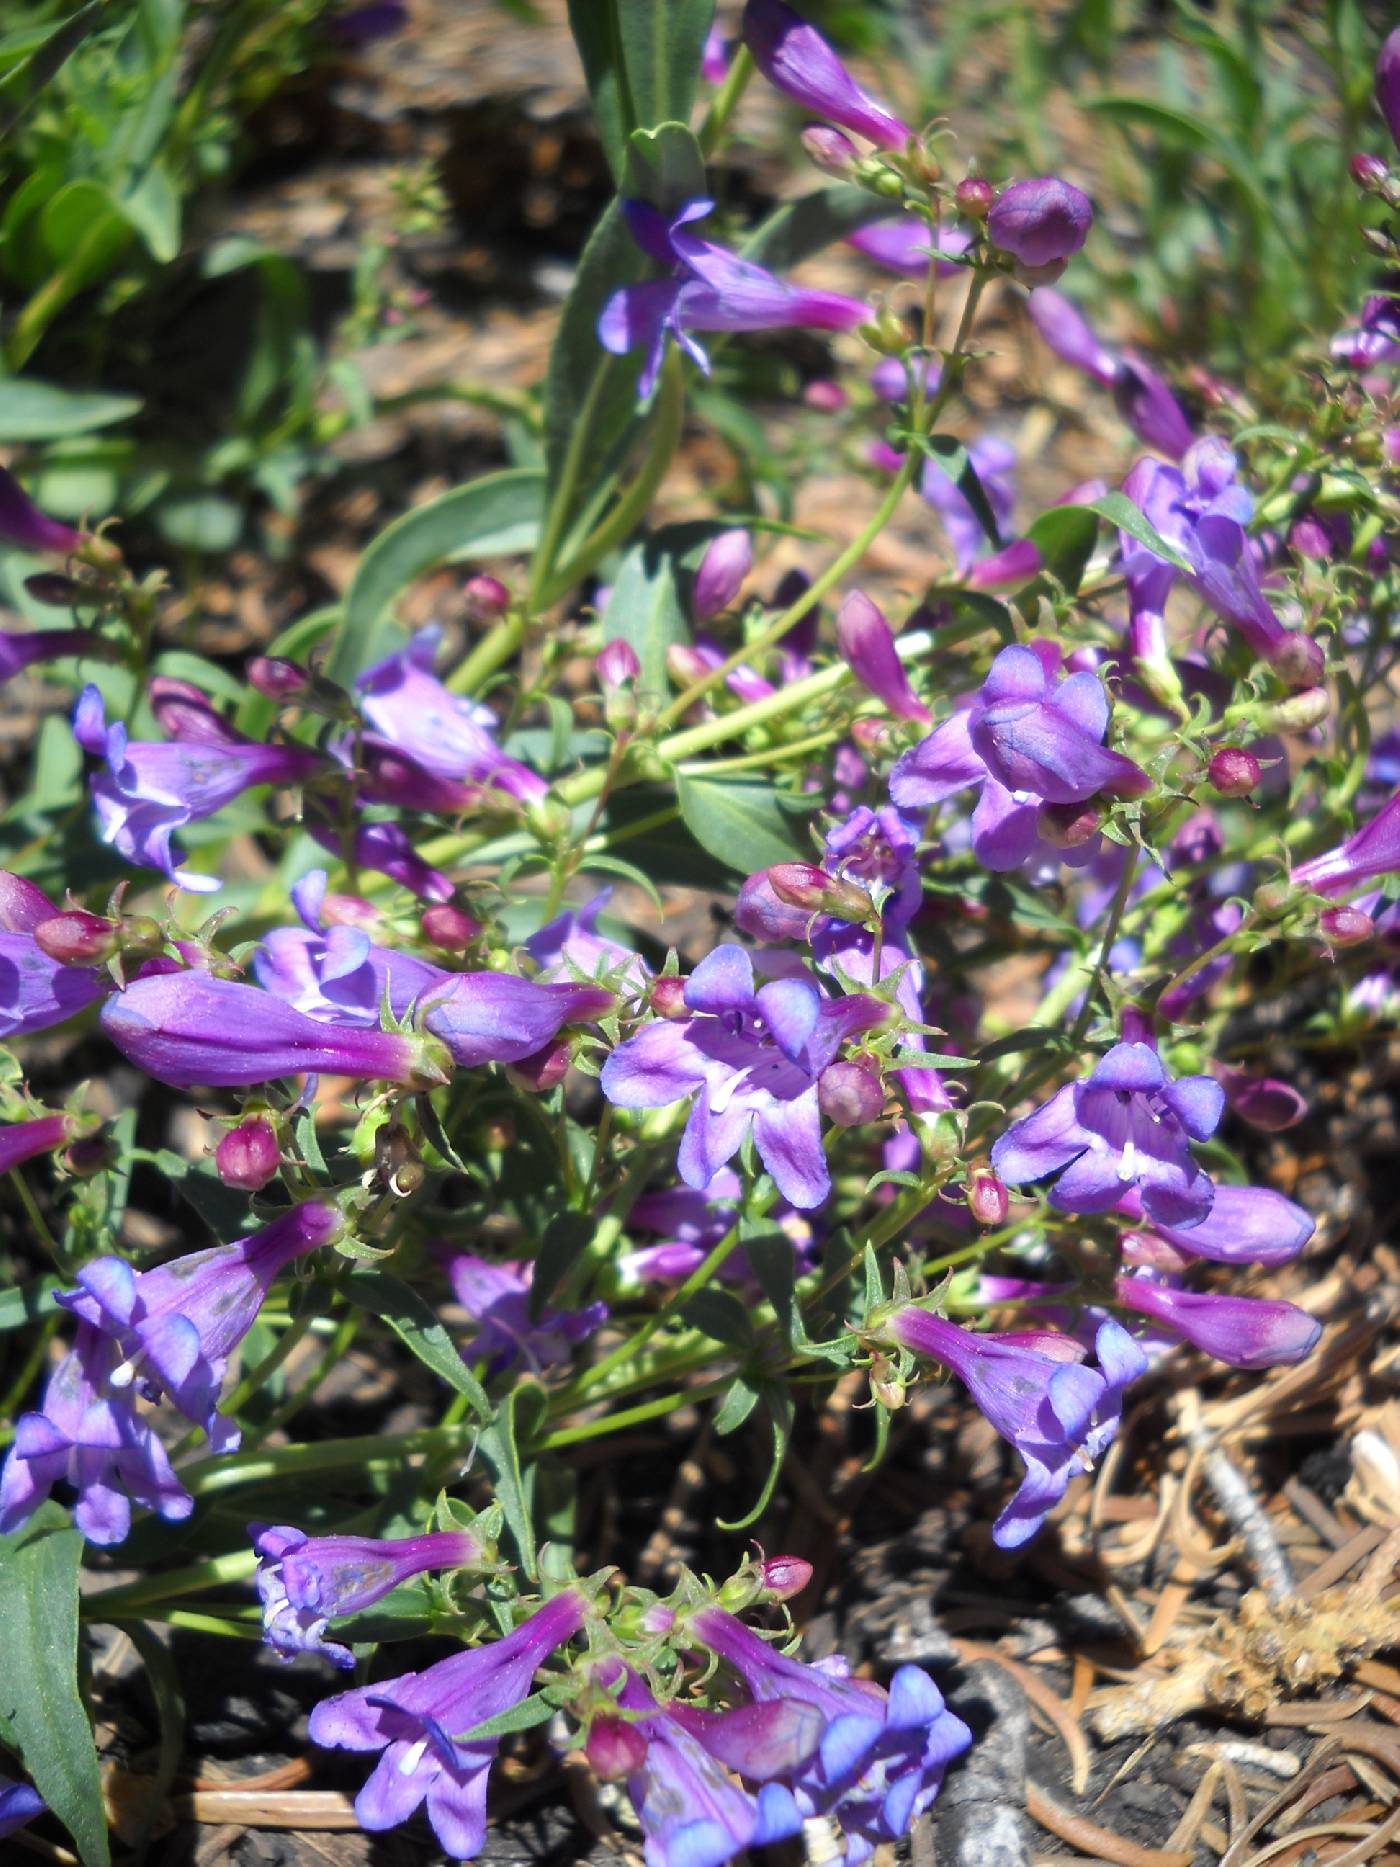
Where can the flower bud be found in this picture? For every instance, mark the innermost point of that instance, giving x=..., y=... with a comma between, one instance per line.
x=614, y=1749
x=248, y=1156
x=449, y=927
x=23, y=524
x=1041, y=222
x=782, y=1577
x=78, y=938
x=1271, y=899
x=1298, y=714
x=1233, y=772
x=1299, y=660
x=850, y=1094
x=975, y=197
x=827, y=398
x=987, y=1198
x=87, y=1156
x=276, y=678
x=1069, y=826
x=802, y=885
x=617, y=663
x=548, y=818
x=52, y=587
x=542, y=1071
x=667, y=997
x=1369, y=172
x=1345, y=926
x=832, y=152
x=885, y=1385
x=727, y=562
x=885, y=332
x=349, y=911
x=1264, y=1102
x=485, y=599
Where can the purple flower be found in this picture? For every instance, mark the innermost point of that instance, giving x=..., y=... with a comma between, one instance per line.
x=24, y=525
x=364, y=25
x=868, y=649
x=745, y=1059
x=1245, y=1225
x=1142, y=398
x=1388, y=84
x=306, y=1581
x=710, y=289
x=994, y=462
x=19, y=1804
x=693, y=1223
x=441, y=733
x=795, y=58
x=570, y=945
x=870, y=1759
x=1052, y=1409
x=22, y=651
x=1201, y=510
x=22, y=1140
x=149, y=791
x=877, y=850
x=422, y=1723
x=189, y=1028
x=1042, y=222
x=905, y=243
x=36, y=991
x=1263, y=1101
x=1371, y=851
x=1126, y=1125
x=1070, y=335
x=1026, y=739
x=87, y=1434
x=176, y=1326
x=714, y=60
x=1376, y=340
x=1245, y=1332
x=385, y=849
x=727, y=562
x=497, y=1298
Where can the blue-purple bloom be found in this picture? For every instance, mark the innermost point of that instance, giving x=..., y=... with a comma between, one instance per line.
x=1027, y=738
x=709, y=289
x=994, y=462
x=872, y=1760
x=1244, y=1332
x=795, y=59
x=422, y=1721
x=86, y=1433
x=23, y=524
x=307, y=1581
x=1245, y=1225
x=691, y=1224
x=906, y=243
x=36, y=991
x=746, y=1059
x=22, y=651
x=1042, y=221
x=1127, y=1124
x=497, y=1298
x=1372, y=850
x=385, y=849
x=150, y=790
x=1142, y=398
x=720, y=576
x=19, y=1804
x=867, y=647
x=23, y=1140
x=177, y=1325
x=1057, y=1413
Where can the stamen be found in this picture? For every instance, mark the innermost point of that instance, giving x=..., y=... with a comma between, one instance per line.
x=412, y=1757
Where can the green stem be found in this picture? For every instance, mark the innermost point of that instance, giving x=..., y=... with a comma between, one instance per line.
x=237, y=1566
x=372, y=1452
x=494, y=649
x=559, y=506
x=632, y=1416
x=286, y=1343
x=726, y=98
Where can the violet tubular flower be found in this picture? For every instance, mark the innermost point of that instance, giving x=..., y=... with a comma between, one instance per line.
x=150, y=790
x=86, y=1433
x=1127, y=1124
x=1057, y=1413
x=1142, y=398
x=1371, y=851
x=1245, y=1225
x=177, y=1325
x=191, y=1030
x=23, y=1140
x=1042, y=222
x=305, y=1582
x=746, y=1059
x=24, y=525
x=497, y=1298
x=421, y=1723
x=1243, y=1332
x=36, y=992
x=795, y=59
x=18, y=652
x=867, y=647
x=19, y=1805
x=870, y=1759
x=710, y=289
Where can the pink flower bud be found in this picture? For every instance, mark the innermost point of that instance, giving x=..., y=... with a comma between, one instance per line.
x=827, y=398
x=617, y=663
x=248, y=1156
x=350, y=911
x=850, y=1094
x=275, y=678
x=1299, y=660
x=449, y=927
x=987, y=1198
x=782, y=1577
x=1345, y=926
x=975, y=197
x=1369, y=172
x=1233, y=772
x=544, y=1070
x=78, y=938
x=801, y=885
x=1069, y=826
x=830, y=150
x=667, y=997
x=727, y=562
x=614, y=1749
x=485, y=599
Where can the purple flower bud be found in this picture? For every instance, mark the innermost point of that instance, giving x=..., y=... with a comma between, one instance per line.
x=1298, y=660
x=811, y=890
x=868, y=648
x=987, y=1198
x=1244, y=1332
x=1069, y=334
x=667, y=997
x=975, y=197
x=830, y=150
x=275, y=678
x=23, y=524
x=77, y=938
x=485, y=599
x=1042, y=221
x=1372, y=851
x=795, y=58
x=1068, y=826
x=614, y=1749
x=617, y=663
x=1388, y=83
x=25, y=1140
x=1014, y=564
x=1263, y=1101
x=1150, y=409
x=542, y=1071
x=714, y=60
x=19, y=1804
x=248, y=1156
x=1345, y=926
x=782, y=1577
x=449, y=927
x=1233, y=772
x=727, y=562
x=850, y=1094
x=59, y=592
x=1369, y=172
x=827, y=398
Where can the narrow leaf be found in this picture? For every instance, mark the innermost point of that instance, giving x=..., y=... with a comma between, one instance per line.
x=414, y=1323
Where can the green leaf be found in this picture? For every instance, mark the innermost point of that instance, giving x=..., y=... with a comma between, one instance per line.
x=738, y=823
x=39, y=1698
x=719, y=1315
x=738, y=1403
x=566, y=1238
x=798, y=229
x=645, y=611
x=1119, y=510
x=522, y=1717
x=500, y=1447
x=41, y=411
x=411, y=1320
x=950, y=455
x=489, y=517
x=153, y=208
x=27, y=1302
x=780, y=1410
x=1064, y=537
x=198, y=520
x=641, y=60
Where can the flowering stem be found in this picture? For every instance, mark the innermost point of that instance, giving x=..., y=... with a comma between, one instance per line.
x=236, y=1566
x=495, y=648
x=674, y=1303
x=1227, y=945
x=717, y=117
